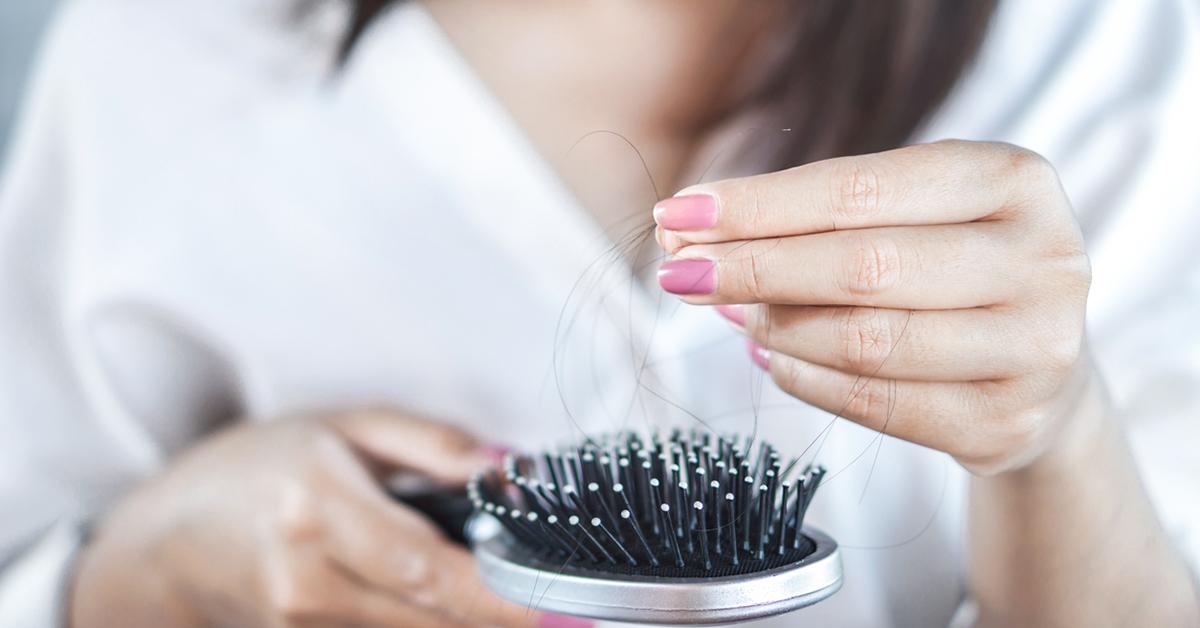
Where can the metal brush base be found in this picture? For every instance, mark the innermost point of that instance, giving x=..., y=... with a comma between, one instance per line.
x=656, y=600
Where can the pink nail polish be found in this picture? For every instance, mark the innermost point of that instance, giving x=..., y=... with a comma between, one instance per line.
x=690, y=212
x=760, y=355
x=735, y=314
x=688, y=276
x=562, y=621
x=495, y=453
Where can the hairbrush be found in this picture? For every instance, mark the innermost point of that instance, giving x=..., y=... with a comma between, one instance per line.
x=687, y=529
x=445, y=507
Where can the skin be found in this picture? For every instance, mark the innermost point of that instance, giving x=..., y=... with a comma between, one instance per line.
x=679, y=67
x=988, y=274
x=284, y=525
x=305, y=537
x=937, y=293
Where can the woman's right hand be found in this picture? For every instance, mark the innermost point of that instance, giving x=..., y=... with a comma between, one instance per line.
x=284, y=524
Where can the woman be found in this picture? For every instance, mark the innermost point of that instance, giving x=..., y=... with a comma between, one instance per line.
x=363, y=239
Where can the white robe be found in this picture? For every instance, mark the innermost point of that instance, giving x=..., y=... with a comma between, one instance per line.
x=199, y=218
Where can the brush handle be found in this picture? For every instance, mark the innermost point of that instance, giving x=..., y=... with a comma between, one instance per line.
x=447, y=508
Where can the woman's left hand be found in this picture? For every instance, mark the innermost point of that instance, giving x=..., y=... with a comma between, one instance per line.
x=935, y=292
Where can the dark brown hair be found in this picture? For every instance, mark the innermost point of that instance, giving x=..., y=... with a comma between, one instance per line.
x=862, y=74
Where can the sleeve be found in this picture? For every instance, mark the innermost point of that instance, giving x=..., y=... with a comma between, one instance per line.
x=57, y=462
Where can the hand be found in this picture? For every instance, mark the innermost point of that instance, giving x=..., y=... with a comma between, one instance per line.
x=936, y=292
x=282, y=524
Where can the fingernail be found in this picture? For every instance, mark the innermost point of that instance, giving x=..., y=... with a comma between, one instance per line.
x=760, y=355
x=735, y=314
x=690, y=212
x=688, y=276
x=562, y=621
x=494, y=453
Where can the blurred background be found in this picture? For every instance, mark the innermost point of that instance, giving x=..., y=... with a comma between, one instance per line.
x=231, y=202
x=21, y=26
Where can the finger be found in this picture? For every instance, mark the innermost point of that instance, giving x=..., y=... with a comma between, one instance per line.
x=305, y=588
x=460, y=589
x=383, y=543
x=944, y=416
x=440, y=451
x=398, y=551
x=334, y=597
x=376, y=609
x=943, y=267
x=938, y=345
x=939, y=183
x=356, y=603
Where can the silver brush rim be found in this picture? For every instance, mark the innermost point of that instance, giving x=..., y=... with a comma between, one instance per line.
x=657, y=600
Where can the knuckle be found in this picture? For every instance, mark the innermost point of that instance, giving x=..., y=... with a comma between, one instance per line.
x=414, y=569
x=867, y=337
x=1061, y=352
x=1008, y=438
x=1068, y=271
x=761, y=322
x=856, y=190
x=755, y=217
x=1058, y=335
x=1018, y=432
x=298, y=518
x=870, y=401
x=1028, y=167
x=443, y=439
x=1079, y=271
x=447, y=439
x=788, y=375
x=873, y=267
x=755, y=274
x=323, y=445
x=290, y=600
x=427, y=593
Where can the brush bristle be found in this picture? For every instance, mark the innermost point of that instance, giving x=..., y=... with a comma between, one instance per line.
x=681, y=506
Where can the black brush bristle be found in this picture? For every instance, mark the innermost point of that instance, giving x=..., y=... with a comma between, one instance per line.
x=682, y=506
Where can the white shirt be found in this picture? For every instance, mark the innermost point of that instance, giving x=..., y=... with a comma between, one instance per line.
x=199, y=218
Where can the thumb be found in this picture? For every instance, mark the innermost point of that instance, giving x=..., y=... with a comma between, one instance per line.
x=443, y=452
